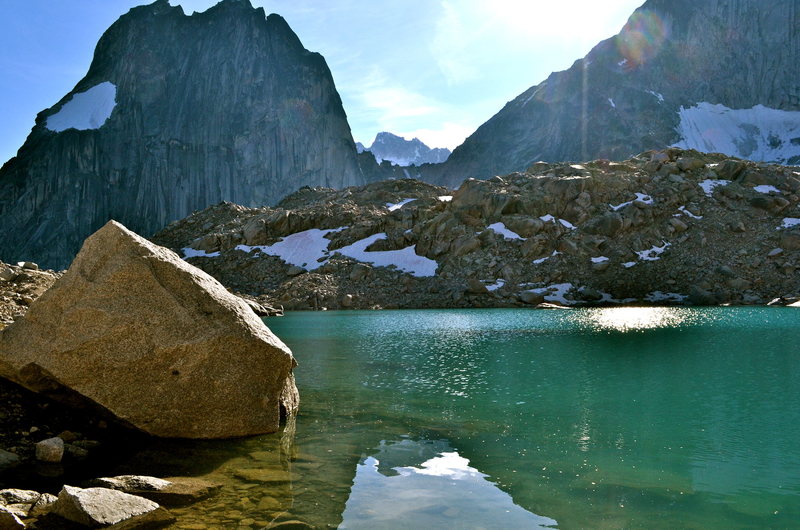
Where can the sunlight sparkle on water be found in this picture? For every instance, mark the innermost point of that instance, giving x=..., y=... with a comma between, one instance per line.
x=627, y=319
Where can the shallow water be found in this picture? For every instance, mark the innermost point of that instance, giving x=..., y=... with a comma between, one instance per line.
x=595, y=418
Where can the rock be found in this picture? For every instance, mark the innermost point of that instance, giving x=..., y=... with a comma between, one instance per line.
x=17, y=496
x=162, y=346
x=347, y=301
x=257, y=308
x=690, y=164
x=9, y=520
x=775, y=252
x=790, y=241
x=475, y=286
x=294, y=270
x=8, y=459
x=6, y=273
x=172, y=491
x=28, y=265
x=607, y=225
x=50, y=450
x=43, y=505
x=700, y=296
x=103, y=507
x=678, y=225
x=265, y=475
x=530, y=297
x=359, y=272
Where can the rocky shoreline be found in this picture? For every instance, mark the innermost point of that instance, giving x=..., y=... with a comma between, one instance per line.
x=665, y=227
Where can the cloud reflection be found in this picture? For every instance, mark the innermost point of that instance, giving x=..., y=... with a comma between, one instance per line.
x=442, y=492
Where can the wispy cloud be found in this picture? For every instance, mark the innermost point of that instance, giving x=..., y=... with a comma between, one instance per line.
x=449, y=135
x=451, y=43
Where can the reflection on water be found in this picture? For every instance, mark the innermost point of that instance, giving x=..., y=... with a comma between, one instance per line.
x=440, y=492
x=625, y=319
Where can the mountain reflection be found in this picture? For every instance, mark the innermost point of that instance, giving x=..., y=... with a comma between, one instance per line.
x=443, y=491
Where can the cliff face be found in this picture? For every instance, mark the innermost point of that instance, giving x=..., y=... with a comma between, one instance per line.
x=176, y=112
x=680, y=72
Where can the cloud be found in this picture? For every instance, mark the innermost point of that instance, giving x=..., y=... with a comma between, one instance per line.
x=451, y=43
x=449, y=135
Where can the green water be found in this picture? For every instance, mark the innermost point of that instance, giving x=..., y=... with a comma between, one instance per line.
x=596, y=418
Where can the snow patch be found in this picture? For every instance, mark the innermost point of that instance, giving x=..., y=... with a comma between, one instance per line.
x=652, y=254
x=189, y=252
x=550, y=219
x=629, y=264
x=555, y=293
x=760, y=133
x=599, y=259
x=542, y=260
x=611, y=102
x=641, y=197
x=684, y=211
x=85, y=110
x=445, y=198
x=764, y=188
x=657, y=96
x=396, y=206
x=303, y=249
x=406, y=259
x=708, y=185
x=500, y=228
x=789, y=222
x=496, y=285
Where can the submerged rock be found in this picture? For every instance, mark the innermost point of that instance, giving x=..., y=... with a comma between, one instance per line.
x=159, y=344
x=173, y=491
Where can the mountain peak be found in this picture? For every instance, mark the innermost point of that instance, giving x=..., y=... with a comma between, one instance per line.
x=401, y=152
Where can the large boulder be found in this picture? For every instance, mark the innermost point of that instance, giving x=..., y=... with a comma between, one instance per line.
x=156, y=342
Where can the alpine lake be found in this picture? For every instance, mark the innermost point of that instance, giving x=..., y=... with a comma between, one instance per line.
x=580, y=418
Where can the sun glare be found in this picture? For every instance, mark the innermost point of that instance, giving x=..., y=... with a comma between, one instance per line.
x=626, y=319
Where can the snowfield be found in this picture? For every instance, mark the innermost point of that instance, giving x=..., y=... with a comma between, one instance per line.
x=85, y=110
x=760, y=133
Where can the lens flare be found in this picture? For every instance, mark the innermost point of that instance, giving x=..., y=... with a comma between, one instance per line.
x=642, y=38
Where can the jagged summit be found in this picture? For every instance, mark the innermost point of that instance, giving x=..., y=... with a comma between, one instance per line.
x=402, y=152
x=176, y=112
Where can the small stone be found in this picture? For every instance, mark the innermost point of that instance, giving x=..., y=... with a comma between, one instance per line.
x=28, y=265
x=50, y=450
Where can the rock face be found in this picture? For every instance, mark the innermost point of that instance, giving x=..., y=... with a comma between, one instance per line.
x=176, y=113
x=713, y=75
x=154, y=341
x=401, y=152
x=671, y=226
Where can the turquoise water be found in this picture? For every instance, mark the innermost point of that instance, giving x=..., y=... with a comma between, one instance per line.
x=596, y=418
x=591, y=418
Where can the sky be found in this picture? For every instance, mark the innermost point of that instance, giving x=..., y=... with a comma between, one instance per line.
x=432, y=69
